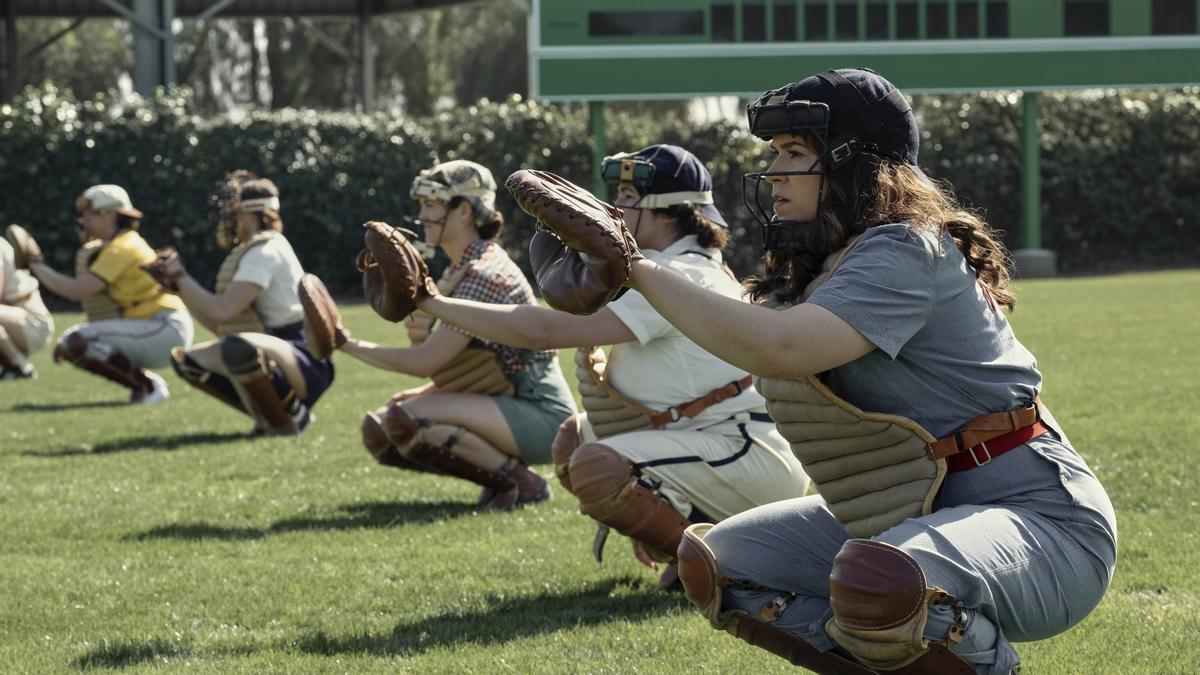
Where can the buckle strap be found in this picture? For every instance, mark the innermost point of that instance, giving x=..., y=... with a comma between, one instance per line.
x=695, y=407
x=983, y=429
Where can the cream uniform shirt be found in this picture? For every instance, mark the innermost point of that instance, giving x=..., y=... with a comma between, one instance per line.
x=665, y=368
x=274, y=268
x=18, y=284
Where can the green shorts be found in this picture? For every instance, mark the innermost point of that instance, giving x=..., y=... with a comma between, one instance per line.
x=542, y=401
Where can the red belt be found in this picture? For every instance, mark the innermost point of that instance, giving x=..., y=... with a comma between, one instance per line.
x=981, y=454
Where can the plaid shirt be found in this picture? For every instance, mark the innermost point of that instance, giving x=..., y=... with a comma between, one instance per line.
x=493, y=277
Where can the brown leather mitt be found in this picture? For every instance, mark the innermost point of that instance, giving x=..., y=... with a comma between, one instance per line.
x=582, y=253
x=395, y=277
x=166, y=258
x=25, y=247
x=323, y=329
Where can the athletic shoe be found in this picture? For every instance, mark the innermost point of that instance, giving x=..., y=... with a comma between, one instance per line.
x=26, y=373
x=156, y=394
x=302, y=417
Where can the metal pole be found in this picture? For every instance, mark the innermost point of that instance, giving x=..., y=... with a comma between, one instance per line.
x=1031, y=172
x=11, y=55
x=599, y=143
x=147, y=46
x=167, y=18
x=366, y=57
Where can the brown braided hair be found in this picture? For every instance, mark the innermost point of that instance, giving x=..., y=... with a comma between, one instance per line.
x=870, y=191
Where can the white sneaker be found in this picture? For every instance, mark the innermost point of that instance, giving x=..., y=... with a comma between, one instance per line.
x=157, y=394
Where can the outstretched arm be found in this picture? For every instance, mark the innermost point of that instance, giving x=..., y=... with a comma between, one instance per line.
x=71, y=288
x=529, y=326
x=423, y=360
x=804, y=340
x=213, y=309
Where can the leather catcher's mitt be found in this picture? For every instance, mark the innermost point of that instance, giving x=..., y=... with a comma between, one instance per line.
x=25, y=247
x=395, y=277
x=165, y=258
x=323, y=327
x=582, y=253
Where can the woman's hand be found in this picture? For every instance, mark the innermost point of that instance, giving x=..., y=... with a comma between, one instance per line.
x=411, y=393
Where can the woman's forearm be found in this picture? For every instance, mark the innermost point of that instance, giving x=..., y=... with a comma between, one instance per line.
x=397, y=359
x=200, y=302
x=513, y=325
x=61, y=284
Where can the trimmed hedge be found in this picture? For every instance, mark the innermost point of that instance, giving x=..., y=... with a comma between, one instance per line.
x=1121, y=185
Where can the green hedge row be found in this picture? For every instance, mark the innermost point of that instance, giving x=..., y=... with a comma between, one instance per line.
x=1121, y=185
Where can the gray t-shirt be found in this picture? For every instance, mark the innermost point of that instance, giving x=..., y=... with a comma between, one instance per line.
x=945, y=351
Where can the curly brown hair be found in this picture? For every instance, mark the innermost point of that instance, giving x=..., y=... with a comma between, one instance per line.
x=870, y=191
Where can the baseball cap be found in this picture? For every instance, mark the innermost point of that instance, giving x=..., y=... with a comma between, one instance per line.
x=458, y=178
x=106, y=198
x=858, y=106
x=665, y=175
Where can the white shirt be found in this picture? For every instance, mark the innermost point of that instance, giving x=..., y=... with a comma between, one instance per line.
x=17, y=283
x=665, y=368
x=274, y=268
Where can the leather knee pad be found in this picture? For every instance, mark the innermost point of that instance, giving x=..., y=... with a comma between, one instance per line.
x=71, y=348
x=601, y=478
x=565, y=443
x=239, y=355
x=699, y=574
x=400, y=428
x=375, y=440
x=880, y=604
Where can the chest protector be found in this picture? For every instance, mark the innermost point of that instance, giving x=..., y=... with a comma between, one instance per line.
x=608, y=411
x=474, y=370
x=871, y=468
x=98, y=306
x=248, y=321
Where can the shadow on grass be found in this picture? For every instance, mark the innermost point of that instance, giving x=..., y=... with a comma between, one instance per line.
x=125, y=653
x=59, y=407
x=509, y=619
x=370, y=515
x=153, y=442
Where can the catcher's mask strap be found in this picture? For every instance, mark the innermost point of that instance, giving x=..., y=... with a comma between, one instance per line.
x=258, y=205
x=661, y=201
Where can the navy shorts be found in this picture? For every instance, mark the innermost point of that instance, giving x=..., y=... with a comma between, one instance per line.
x=318, y=373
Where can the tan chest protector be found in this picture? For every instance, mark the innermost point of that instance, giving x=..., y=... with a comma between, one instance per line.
x=473, y=370
x=248, y=321
x=98, y=306
x=608, y=411
x=871, y=468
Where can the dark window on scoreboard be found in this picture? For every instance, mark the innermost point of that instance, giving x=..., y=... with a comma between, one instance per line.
x=1173, y=17
x=997, y=18
x=906, y=20
x=754, y=21
x=722, y=23
x=937, y=19
x=1085, y=17
x=877, y=20
x=785, y=21
x=816, y=20
x=966, y=19
x=846, y=19
x=614, y=24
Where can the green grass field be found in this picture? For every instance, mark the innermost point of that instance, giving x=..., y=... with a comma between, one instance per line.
x=160, y=538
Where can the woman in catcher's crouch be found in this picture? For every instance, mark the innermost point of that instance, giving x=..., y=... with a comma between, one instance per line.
x=671, y=435
x=490, y=409
x=260, y=366
x=957, y=518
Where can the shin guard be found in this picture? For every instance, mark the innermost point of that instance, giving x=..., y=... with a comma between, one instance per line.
x=880, y=606
x=261, y=387
x=608, y=491
x=703, y=584
x=376, y=441
x=116, y=368
x=505, y=490
x=214, y=384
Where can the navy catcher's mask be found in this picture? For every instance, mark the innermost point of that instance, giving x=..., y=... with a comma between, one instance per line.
x=848, y=112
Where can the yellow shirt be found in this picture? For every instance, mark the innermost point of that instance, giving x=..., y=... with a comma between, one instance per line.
x=138, y=294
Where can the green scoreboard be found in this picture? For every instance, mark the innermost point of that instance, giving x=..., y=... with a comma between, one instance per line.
x=611, y=50
x=599, y=50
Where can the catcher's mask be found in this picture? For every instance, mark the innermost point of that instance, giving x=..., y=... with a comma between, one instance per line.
x=664, y=175
x=226, y=203
x=846, y=113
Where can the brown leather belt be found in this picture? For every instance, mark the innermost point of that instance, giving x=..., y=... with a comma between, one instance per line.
x=987, y=437
x=695, y=407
